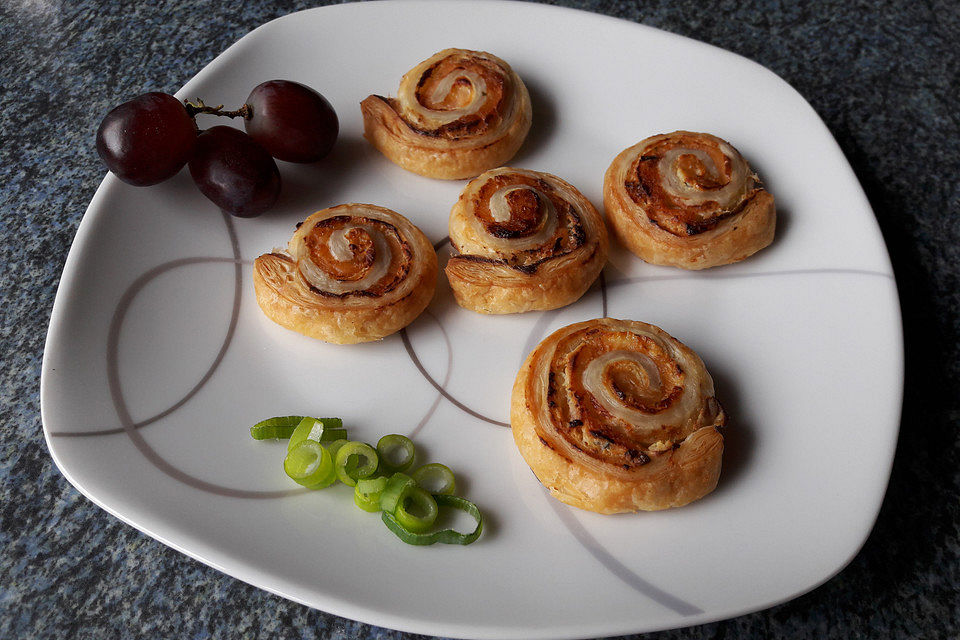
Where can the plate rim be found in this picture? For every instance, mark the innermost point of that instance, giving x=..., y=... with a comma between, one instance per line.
x=85, y=233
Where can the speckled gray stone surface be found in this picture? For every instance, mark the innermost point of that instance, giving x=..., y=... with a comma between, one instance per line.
x=885, y=79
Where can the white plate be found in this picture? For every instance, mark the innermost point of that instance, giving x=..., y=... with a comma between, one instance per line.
x=158, y=360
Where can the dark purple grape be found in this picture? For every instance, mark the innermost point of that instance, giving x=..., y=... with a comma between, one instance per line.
x=147, y=140
x=292, y=121
x=235, y=172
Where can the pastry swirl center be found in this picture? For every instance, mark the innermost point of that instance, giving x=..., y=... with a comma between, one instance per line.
x=344, y=255
x=629, y=376
x=515, y=212
x=460, y=89
x=459, y=95
x=697, y=170
x=347, y=254
x=687, y=183
x=524, y=220
x=614, y=394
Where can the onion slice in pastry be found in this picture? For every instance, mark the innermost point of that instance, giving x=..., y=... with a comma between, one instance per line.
x=351, y=273
x=526, y=241
x=456, y=114
x=616, y=416
x=687, y=200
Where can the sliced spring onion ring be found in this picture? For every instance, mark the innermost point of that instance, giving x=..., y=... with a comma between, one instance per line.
x=435, y=478
x=410, y=503
x=309, y=464
x=372, y=485
x=355, y=460
x=366, y=494
x=334, y=447
x=279, y=428
x=318, y=430
x=444, y=536
x=396, y=452
x=417, y=510
x=393, y=493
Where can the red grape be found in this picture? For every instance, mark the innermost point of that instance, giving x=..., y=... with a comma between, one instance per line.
x=147, y=140
x=291, y=121
x=235, y=172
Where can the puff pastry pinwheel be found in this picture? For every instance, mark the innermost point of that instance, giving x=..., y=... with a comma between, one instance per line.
x=687, y=200
x=526, y=240
x=616, y=416
x=351, y=273
x=457, y=114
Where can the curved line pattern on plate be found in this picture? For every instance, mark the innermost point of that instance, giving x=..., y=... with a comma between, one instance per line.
x=760, y=274
x=569, y=520
x=130, y=427
x=441, y=388
x=567, y=515
x=416, y=361
x=446, y=378
x=614, y=566
x=113, y=337
x=113, y=344
x=538, y=332
x=116, y=393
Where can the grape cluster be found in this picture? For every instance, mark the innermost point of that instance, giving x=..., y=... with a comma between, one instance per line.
x=150, y=138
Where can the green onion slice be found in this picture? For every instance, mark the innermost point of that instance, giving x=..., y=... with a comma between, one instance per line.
x=444, y=536
x=355, y=460
x=279, y=428
x=372, y=485
x=309, y=464
x=396, y=452
x=318, y=430
x=417, y=510
x=334, y=447
x=393, y=492
x=366, y=494
x=435, y=478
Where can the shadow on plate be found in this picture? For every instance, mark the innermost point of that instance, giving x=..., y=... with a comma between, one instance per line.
x=544, y=124
x=315, y=186
x=739, y=436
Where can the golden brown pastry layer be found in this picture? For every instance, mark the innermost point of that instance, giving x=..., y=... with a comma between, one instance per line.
x=351, y=273
x=526, y=241
x=687, y=200
x=617, y=415
x=456, y=114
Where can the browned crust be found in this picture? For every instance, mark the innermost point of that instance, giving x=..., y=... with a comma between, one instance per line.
x=670, y=478
x=734, y=237
x=436, y=157
x=283, y=299
x=498, y=286
x=491, y=287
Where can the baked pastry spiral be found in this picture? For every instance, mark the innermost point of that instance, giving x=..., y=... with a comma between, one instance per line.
x=687, y=200
x=351, y=273
x=526, y=240
x=457, y=114
x=617, y=415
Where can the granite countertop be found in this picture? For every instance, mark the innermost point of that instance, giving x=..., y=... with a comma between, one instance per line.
x=885, y=80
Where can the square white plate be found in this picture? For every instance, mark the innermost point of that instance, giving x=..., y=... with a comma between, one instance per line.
x=158, y=359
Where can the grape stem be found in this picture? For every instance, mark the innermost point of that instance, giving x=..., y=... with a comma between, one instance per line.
x=195, y=108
